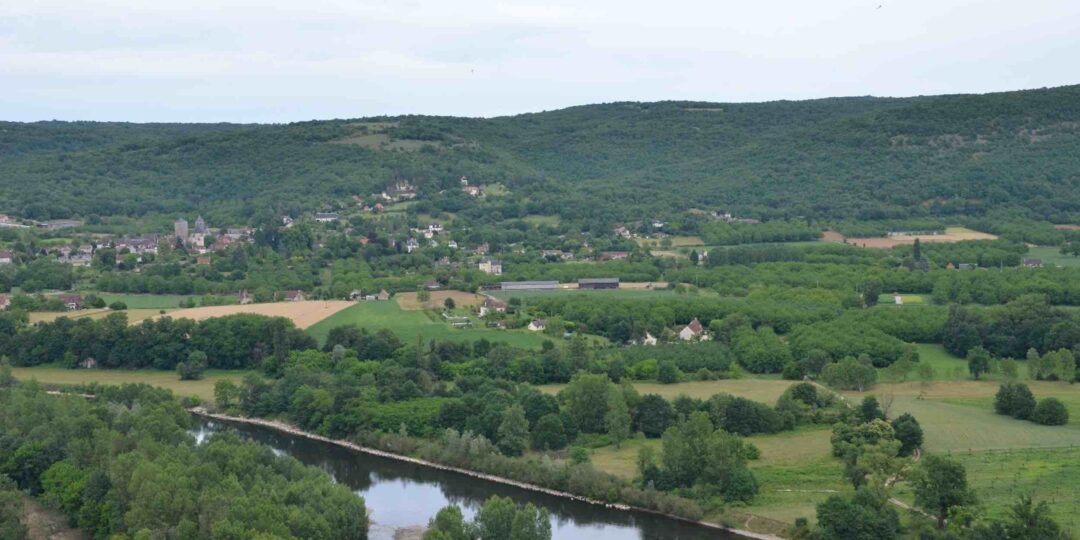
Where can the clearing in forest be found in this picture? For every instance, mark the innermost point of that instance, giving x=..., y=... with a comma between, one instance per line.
x=951, y=235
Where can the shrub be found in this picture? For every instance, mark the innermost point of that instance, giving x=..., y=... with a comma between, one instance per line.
x=118, y=306
x=908, y=432
x=667, y=373
x=1015, y=400
x=1050, y=412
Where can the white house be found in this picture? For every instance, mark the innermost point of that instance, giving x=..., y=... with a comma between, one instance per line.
x=537, y=325
x=649, y=339
x=693, y=331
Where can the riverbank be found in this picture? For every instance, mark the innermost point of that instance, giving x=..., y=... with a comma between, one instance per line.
x=294, y=431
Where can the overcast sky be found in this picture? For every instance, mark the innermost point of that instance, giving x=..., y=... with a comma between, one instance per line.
x=287, y=60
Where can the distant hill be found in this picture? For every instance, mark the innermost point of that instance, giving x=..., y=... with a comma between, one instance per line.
x=862, y=158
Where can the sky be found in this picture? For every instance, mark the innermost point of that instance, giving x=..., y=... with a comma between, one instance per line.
x=293, y=60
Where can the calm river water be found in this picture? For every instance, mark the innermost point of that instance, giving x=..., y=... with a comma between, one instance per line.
x=400, y=494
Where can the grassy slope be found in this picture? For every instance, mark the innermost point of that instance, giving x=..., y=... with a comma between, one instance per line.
x=408, y=324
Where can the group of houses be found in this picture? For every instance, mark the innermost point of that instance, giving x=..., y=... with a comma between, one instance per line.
x=195, y=238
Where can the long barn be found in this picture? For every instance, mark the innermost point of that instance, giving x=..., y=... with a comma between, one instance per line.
x=598, y=283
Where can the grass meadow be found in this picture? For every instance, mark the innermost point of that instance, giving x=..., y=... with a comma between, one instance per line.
x=203, y=388
x=146, y=301
x=636, y=293
x=408, y=324
x=764, y=390
x=1000, y=477
x=1051, y=256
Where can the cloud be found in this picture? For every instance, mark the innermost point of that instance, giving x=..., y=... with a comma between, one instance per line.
x=204, y=60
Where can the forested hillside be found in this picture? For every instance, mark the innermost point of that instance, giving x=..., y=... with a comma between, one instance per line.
x=843, y=158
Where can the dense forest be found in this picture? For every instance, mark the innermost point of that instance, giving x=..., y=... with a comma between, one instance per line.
x=125, y=466
x=843, y=158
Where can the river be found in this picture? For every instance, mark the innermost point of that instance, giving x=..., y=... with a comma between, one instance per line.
x=400, y=494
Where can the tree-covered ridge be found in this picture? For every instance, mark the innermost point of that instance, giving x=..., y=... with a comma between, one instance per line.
x=861, y=158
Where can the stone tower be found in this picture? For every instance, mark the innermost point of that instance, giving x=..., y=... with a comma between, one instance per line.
x=180, y=229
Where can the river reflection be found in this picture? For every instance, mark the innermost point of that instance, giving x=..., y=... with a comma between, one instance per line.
x=400, y=494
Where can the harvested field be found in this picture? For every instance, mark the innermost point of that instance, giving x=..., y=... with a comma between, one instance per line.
x=134, y=315
x=636, y=285
x=952, y=234
x=832, y=236
x=461, y=299
x=302, y=314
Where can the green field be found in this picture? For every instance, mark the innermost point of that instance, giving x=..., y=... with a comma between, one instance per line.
x=953, y=368
x=537, y=220
x=146, y=301
x=764, y=390
x=409, y=324
x=153, y=301
x=1051, y=256
x=629, y=294
x=203, y=388
x=999, y=478
x=888, y=299
x=795, y=472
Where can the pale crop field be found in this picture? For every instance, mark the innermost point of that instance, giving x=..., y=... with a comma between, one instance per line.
x=302, y=314
x=951, y=235
x=133, y=315
x=408, y=300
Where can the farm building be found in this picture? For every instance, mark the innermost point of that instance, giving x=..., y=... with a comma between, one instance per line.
x=293, y=296
x=537, y=325
x=71, y=301
x=598, y=283
x=528, y=285
x=1033, y=263
x=491, y=305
